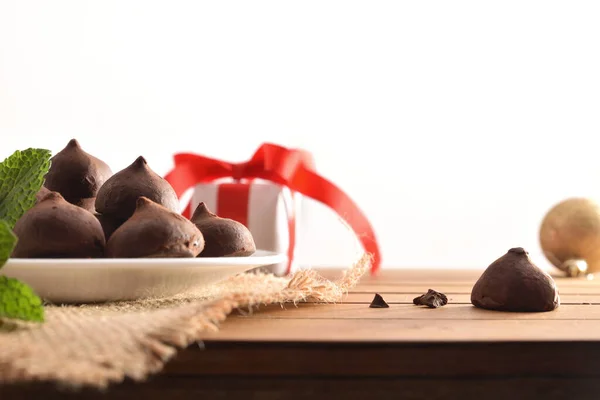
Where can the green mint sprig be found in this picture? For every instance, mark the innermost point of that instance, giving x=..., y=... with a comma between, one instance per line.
x=19, y=301
x=21, y=177
x=8, y=241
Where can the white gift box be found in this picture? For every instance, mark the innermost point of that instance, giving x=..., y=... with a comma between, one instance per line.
x=264, y=207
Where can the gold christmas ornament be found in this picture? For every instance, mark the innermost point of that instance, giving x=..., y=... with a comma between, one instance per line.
x=570, y=236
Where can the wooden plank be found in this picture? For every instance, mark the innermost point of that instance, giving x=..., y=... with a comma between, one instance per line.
x=415, y=330
x=406, y=298
x=322, y=387
x=558, y=359
x=409, y=274
x=400, y=298
x=451, y=282
x=451, y=279
x=412, y=312
x=582, y=284
x=449, y=288
x=403, y=275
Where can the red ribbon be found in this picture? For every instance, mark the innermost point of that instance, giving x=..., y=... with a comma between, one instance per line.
x=232, y=201
x=286, y=167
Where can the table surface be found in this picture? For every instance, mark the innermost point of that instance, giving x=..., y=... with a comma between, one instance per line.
x=577, y=318
x=456, y=351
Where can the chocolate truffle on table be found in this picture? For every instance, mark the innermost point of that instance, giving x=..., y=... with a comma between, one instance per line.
x=224, y=237
x=76, y=175
x=117, y=198
x=55, y=228
x=514, y=283
x=155, y=231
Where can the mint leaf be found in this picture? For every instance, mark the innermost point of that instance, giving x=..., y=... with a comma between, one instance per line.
x=21, y=177
x=18, y=301
x=8, y=240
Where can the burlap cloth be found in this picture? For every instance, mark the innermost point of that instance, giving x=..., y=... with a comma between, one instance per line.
x=96, y=345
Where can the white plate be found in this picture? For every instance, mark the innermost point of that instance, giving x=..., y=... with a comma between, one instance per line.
x=110, y=279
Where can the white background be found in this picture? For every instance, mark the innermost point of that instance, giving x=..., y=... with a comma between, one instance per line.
x=454, y=124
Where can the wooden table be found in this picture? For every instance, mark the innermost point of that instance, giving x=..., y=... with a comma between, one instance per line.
x=402, y=352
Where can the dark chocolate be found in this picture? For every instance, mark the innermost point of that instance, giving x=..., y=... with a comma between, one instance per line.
x=514, y=283
x=155, y=231
x=119, y=194
x=224, y=237
x=431, y=299
x=88, y=204
x=55, y=228
x=41, y=194
x=109, y=224
x=378, y=302
x=76, y=174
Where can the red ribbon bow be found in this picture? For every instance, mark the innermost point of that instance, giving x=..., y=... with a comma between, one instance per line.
x=287, y=167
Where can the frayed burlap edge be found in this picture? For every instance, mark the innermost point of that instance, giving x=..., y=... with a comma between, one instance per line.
x=100, y=345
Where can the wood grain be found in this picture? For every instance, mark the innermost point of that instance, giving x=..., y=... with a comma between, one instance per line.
x=407, y=298
x=405, y=351
x=377, y=360
x=413, y=330
x=456, y=288
x=467, y=312
x=459, y=321
x=326, y=388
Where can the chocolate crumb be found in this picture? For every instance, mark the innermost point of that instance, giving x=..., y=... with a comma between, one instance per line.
x=431, y=299
x=378, y=302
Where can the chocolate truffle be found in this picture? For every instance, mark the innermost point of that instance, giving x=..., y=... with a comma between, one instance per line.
x=155, y=231
x=118, y=196
x=41, y=194
x=55, y=228
x=88, y=204
x=109, y=224
x=224, y=237
x=514, y=283
x=75, y=174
